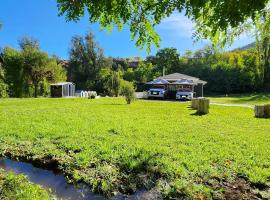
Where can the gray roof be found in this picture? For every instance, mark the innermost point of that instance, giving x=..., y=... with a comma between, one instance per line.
x=158, y=82
x=63, y=83
x=185, y=82
x=177, y=76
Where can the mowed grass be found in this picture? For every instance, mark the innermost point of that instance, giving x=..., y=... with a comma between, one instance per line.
x=250, y=99
x=115, y=147
x=18, y=187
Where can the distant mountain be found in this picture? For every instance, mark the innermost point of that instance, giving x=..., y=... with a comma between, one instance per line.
x=246, y=47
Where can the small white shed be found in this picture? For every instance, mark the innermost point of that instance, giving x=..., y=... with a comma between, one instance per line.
x=81, y=93
x=63, y=89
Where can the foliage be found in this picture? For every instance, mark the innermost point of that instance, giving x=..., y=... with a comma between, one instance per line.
x=166, y=60
x=225, y=72
x=86, y=61
x=128, y=91
x=92, y=94
x=3, y=85
x=18, y=187
x=15, y=75
x=114, y=83
x=213, y=17
x=112, y=146
x=28, y=42
x=29, y=70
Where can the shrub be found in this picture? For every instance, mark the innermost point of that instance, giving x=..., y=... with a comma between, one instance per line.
x=92, y=94
x=128, y=91
x=3, y=89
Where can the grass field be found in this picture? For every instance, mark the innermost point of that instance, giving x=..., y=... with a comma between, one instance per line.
x=18, y=187
x=162, y=146
x=251, y=99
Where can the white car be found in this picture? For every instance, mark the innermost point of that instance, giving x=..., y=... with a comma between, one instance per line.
x=156, y=93
x=184, y=95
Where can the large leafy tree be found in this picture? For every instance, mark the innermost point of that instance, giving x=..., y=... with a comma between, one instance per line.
x=35, y=65
x=28, y=42
x=166, y=61
x=213, y=17
x=86, y=61
x=29, y=70
x=15, y=75
x=3, y=85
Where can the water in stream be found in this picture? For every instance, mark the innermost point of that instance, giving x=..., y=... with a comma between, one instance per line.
x=47, y=179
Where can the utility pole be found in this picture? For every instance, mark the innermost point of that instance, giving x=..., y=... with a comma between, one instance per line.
x=163, y=71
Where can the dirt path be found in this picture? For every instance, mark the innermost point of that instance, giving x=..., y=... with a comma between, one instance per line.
x=234, y=105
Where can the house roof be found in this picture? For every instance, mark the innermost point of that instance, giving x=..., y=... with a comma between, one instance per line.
x=185, y=82
x=158, y=82
x=63, y=83
x=177, y=76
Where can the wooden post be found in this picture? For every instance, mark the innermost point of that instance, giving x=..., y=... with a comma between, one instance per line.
x=195, y=103
x=203, y=107
x=267, y=111
x=260, y=111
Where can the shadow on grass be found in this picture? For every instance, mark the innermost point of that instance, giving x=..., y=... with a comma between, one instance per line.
x=190, y=108
x=197, y=114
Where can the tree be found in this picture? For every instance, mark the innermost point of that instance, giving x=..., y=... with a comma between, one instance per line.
x=35, y=65
x=144, y=72
x=128, y=91
x=15, y=75
x=3, y=85
x=166, y=61
x=29, y=71
x=212, y=16
x=28, y=42
x=114, y=83
x=86, y=61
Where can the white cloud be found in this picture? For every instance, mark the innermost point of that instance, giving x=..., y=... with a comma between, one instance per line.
x=178, y=25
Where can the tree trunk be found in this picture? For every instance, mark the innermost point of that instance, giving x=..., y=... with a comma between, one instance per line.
x=36, y=90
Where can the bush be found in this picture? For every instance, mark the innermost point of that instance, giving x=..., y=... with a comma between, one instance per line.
x=3, y=89
x=128, y=91
x=92, y=94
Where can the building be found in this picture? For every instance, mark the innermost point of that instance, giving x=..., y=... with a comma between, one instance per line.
x=63, y=89
x=179, y=82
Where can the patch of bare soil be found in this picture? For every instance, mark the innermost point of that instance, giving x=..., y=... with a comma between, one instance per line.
x=242, y=190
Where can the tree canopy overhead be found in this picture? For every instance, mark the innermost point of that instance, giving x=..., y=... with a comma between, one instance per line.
x=211, y=16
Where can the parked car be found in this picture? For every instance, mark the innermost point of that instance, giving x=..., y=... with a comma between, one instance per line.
x=157, y=92
x=184, y=95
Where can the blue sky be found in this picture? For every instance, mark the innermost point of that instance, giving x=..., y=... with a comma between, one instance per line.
x=39, y=19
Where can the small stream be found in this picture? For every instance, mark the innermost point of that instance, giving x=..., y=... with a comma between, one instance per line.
x=47, y=179
x=58, y=184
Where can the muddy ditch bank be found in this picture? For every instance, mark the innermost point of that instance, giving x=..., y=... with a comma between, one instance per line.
x=46, y=172
x=52, y=180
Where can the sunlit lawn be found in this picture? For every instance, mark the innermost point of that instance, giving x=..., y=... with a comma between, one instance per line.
x=111, y=145
x=251, y=99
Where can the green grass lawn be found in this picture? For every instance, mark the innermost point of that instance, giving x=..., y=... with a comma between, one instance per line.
x=18, y=187
x=251, y=99
x=115, y=147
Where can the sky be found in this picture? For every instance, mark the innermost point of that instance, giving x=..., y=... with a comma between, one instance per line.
x=39, y=19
